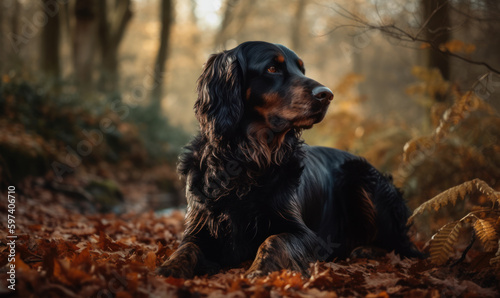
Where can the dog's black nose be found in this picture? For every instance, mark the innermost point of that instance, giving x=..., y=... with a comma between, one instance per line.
x=322, y=93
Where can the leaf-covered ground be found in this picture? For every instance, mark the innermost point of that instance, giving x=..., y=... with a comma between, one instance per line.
x=62, y=253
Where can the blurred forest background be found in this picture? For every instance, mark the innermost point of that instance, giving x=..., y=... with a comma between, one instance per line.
x=96, y=96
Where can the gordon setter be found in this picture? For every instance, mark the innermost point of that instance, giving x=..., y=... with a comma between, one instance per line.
x=256, y=192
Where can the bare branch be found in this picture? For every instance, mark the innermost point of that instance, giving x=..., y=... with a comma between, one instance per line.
x=395, y=32
x=424, y=25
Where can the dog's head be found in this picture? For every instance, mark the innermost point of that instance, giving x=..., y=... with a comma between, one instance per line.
x=255, y=86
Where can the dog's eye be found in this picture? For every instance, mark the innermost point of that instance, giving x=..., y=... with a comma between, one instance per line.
x=272, y=69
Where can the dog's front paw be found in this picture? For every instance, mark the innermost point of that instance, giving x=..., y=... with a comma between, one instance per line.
x=255, y=273
x=168, y=271
x=174, y=269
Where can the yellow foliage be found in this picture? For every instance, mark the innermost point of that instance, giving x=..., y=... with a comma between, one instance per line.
x=347, y=98
x=457, y=46
x=459, y=110
x=348, y=82
x=425, y=45
x=452, y=116
x=417, y=144
x=452, y=46
x=343, y=117
x=431, y=83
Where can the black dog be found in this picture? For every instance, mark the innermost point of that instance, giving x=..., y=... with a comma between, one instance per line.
x=256, y=191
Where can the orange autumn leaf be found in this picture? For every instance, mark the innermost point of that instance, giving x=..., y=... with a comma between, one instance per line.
x=82, y=258
x=457, y=46
x=469, y=48
x=382, y=294
x=66, y=247
x=150, y=260
x=67, y=275
x=295, y=281
x=49, y=258
x=123, y=294
x=235, y=286
x=425, y=45
x=21, y=265
x=36, y=227
x=59, y=273
x=132, y=281
x=76, y=275
x=178, y=282
x=106, y=243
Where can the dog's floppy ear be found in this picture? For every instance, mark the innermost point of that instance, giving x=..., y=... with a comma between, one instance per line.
x=219, y=106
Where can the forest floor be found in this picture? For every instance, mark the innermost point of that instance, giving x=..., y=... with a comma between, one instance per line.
x=62, y=253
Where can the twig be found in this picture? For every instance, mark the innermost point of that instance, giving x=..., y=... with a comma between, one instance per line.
x=398, y=33
x=462, y=258
x=424, y=25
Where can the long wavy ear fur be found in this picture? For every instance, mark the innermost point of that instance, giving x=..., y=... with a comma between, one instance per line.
x=219, y=106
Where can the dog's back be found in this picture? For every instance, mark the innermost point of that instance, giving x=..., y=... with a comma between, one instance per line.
x=348, y=203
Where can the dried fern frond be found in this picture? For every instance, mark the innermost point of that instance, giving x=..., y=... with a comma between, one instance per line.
x=423, y=145
x=460, y=110
x=456, y=113
x=458, y=192
x=486, y=233
x=442, y=242
x=484, y=221
x=441, y=246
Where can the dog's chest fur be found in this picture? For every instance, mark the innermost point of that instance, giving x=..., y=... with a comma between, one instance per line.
x=235, y=225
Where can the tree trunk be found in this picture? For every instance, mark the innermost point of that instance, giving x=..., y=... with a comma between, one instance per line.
x=15, y=17
x=84, y=42
x=13, y=47
x=50, y=64
x=236, y=14
x=66, y=23
x=245, y=11
x=493, y=13
x=221, y=37
x=196, y=36
x=192, y=11
x=167, y=16
x=112, y=27
x=436, y=12
x=3, y=32
x=298, y=25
